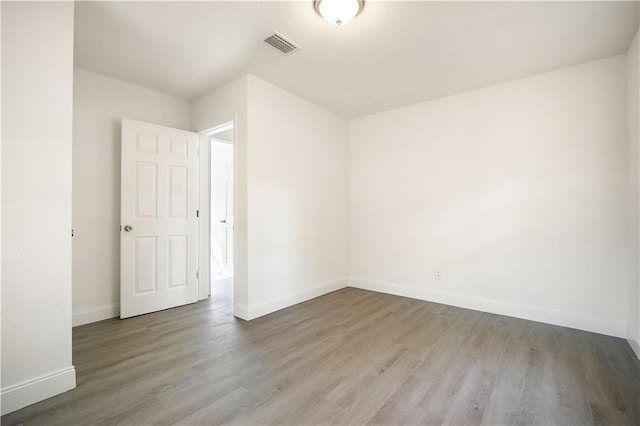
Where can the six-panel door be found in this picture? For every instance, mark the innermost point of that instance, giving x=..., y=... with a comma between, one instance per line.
x=159, y=235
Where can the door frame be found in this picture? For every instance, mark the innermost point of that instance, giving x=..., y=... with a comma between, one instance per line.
x=204, y=230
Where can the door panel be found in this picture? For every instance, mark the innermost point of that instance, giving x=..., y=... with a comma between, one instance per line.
x=146, y=265
x=178, y=260
x=178, y=191
x=159, y=239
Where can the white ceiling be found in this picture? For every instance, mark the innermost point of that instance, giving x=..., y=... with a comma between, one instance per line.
x=393, y=54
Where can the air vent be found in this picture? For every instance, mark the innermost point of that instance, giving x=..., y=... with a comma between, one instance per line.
x=281, y=43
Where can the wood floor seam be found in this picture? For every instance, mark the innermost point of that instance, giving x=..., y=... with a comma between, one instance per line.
x=350, y=357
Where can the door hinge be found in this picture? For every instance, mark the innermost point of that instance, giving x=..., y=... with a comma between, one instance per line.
x=197, y=274
x=197, y=213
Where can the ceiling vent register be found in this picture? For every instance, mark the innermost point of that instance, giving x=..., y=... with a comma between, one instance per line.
x=282, y=44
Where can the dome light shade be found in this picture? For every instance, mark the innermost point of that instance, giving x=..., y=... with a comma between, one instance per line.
x=338, y=12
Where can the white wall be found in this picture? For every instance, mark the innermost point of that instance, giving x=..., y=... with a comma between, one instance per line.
x=222, y=105
x=290, y=161
x=633, y=99
x=100, y=103
x=515, y=191
x=297, y=218
x=37, y=82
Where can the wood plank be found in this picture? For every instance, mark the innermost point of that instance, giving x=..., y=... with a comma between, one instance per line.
x=349, y=357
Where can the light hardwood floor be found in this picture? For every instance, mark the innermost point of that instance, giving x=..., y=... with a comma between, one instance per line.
x=350, y=357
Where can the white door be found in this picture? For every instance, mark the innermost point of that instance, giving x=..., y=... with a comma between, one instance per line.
x=222, y=206
x=228, y=252
x=159, y=224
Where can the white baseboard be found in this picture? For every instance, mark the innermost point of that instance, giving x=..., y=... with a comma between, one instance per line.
x=241, y=311
x=87, y=316
x=548, y=316
x=37, y=389
x=263, y=308
x=634, y=342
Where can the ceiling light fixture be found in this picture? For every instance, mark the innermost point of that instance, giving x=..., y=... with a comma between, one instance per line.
x=338, y=12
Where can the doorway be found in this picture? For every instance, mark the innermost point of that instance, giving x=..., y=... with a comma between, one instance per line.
x=217, y=210
x=222, y=203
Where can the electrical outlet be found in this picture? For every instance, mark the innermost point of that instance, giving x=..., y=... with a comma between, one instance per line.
x=437, y=274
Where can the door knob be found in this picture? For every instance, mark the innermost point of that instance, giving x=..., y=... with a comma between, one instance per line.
x=128, y=228
x=223, y=221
